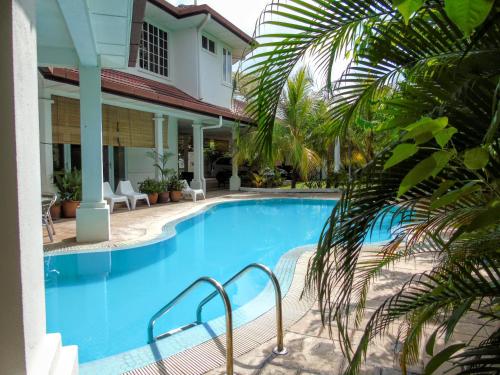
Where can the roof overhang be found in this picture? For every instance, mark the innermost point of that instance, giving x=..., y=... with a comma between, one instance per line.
x=184, y=17
x=164, y=97
x=71, y=33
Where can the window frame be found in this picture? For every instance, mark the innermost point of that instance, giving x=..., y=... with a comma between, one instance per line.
x=168, y=60
x=229, y=81
x=209, y=39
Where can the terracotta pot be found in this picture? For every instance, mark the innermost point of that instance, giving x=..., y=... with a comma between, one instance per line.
x=69, y=208
x=175, y=196
x=55, y=212
x=153, y=198
x=164, y=197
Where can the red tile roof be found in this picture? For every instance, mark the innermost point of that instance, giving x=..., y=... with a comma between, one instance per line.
x=132, y=86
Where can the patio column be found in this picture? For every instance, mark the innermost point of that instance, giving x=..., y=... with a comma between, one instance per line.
x=158, y=140
x=336, y=159
x=198, y=181
x=25, y=346
x=92, y=218
x=46, y=158
x=235, y=181
x=173, y=143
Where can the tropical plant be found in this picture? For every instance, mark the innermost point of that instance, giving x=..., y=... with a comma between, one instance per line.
x=150, y=186
x=175, y=184
x=160, y=162
x=433, y=68
x=69, y=185
x=257, y=180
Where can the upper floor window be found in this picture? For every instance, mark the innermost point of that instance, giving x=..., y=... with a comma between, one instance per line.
x=153, y=52
x=208, y=44
x=227, y=63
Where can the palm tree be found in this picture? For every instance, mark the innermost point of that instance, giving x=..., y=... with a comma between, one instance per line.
x=434, y=67
x=295, y=110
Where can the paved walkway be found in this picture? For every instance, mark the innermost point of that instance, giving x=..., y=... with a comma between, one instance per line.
x=311, y=349
x=146, y=223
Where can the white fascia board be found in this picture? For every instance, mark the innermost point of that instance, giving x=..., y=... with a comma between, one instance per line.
x=77, y=18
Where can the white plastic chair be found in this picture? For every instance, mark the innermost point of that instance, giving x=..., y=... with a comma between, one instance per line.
x=113, y=198
x=188, y=192
x=125, y=188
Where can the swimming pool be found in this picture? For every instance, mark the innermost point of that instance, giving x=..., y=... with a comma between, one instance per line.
x=102, y=301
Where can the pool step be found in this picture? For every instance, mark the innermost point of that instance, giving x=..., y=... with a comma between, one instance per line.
x=176, y=330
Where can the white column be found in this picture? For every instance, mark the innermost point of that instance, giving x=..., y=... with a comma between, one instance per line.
x=198, y=179
x=336, y=159
x=235, y=180
x=23, y=339
x=92, y=218
x=67, y=157
x=158, y=140
x=46, y=158
x=111, y=166
x=173, y=143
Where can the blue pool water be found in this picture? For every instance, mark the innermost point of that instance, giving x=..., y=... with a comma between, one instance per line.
x=103, y=301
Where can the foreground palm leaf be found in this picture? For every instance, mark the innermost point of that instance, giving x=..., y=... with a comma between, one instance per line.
x=439, y=91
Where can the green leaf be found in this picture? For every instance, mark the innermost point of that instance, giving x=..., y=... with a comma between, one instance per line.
x=428, y=167
x=443, y=188
x=444, y=135
x=476, y=158
x=488, y=217
x=429, y=347
x=424, y=129
x=441, y=357
x=468, y=14
x=408, y=7
x=455, y=195
x=401, y=152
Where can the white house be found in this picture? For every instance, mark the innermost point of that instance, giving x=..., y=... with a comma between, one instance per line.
x=174, y=95
x=80, y=77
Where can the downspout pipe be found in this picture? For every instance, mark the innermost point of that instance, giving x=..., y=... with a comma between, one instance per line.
x=199, y=29
x=218, y=126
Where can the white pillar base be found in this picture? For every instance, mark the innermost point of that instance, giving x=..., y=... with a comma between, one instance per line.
x=234, y=183
x=92, y=222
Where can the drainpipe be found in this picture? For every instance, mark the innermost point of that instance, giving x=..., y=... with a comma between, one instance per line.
x=218, y=126
x=199, y=29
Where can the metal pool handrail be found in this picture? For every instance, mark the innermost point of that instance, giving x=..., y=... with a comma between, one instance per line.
x=280, y=348
x=227, y=306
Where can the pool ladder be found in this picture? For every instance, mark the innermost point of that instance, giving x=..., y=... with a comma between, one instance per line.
x=220, y=290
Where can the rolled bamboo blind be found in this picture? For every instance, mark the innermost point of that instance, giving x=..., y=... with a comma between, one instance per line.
x=121, y=126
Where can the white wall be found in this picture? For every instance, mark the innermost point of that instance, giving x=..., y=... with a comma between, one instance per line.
x=184, y=49
x=139, y=165
x=22, y=319
x=183, y=60
x=213, y=90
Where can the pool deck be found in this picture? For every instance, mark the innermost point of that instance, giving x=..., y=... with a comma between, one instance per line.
x=129, y=228
x=311, y=349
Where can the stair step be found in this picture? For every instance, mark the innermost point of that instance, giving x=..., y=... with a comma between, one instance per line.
x=48, y=353
x=67, y=362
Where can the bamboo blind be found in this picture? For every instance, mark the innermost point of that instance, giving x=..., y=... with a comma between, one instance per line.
x=120, y=126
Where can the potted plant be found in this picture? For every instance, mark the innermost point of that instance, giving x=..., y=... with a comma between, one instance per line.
x=175, y=186
x=163, y=194
x=69, y=184
x=55, y=210
x=160, y=163
x=150, y=187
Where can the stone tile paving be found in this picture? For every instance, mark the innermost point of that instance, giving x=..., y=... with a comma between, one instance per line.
x=146, y=223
